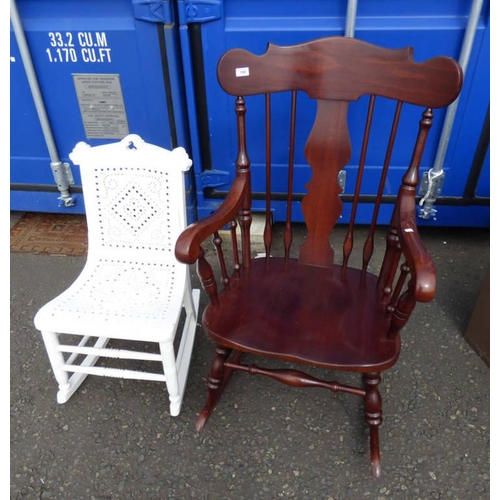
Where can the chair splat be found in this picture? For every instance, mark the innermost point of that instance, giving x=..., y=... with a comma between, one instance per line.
x=368, y=248
x=328, y=149
x=348, y=243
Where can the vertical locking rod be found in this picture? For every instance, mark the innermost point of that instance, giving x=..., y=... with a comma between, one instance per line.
x=350, y=20
x=62, y=174
x=435, y=176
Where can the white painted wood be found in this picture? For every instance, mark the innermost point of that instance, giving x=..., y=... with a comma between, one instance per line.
x=77, y=379
x=82, y=343
x=116, y=372
x=186, y=346
x=132, y=287
x=110, y=353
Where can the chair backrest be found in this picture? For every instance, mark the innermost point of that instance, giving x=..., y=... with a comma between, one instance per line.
x=333, y=71
x=134, y=196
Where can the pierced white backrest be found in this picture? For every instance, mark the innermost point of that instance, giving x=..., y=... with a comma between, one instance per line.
x=134, y=195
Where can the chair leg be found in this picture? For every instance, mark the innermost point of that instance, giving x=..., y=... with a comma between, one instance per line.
x=214, y=385
x=170, y=370
x=183, y=360
x=191, y=300
x=56, y=358
x=373, y=417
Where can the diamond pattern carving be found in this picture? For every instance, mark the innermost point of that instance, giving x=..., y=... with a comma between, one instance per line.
x=134, y=209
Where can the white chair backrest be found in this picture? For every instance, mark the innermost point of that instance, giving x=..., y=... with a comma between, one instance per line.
x=134, y=195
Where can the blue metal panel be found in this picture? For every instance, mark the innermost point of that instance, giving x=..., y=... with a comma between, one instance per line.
x=472, y=109
x=180, y=113
x=432, y=28
x=191, y=100
x=483, y=185
x=85, y=37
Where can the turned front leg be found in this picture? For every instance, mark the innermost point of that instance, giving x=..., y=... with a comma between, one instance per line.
x=373, y=417
x=214, y=384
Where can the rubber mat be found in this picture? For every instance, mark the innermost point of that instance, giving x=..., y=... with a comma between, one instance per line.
x=51, y=234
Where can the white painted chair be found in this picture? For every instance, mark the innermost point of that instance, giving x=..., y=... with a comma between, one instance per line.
x=132, y=287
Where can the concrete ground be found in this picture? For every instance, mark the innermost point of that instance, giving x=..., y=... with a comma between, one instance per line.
x=115, y=439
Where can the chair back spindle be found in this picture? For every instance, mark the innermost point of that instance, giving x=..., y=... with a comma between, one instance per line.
x=410, y=180
x=217, y=241
x=349, y=240
x=234, y=240
x=401, y=314
x=287, y=237
x=403, y=274
x=243, y=169
x=392, y=256
x=268, y=232
x=205, y=272
x=369, y=244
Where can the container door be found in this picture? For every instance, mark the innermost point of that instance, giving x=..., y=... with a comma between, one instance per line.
x=105, y=69
x=209, y=28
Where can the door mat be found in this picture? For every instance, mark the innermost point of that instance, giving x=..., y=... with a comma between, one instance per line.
x=51, y=234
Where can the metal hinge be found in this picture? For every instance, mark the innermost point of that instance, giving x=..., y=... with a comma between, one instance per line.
x=153, y=11
x=430, y=189
x=199, y=11
x=213, y=178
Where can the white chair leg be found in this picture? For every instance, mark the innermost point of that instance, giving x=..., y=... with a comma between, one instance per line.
x=190, y=297
x=170, y=370
x=56, y=358
x=191, y=304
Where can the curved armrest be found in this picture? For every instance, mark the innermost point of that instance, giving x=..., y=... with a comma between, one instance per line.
x=187, y=248
x=418, y=259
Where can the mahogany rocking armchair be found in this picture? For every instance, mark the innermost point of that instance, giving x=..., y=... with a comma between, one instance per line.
x=311, y=309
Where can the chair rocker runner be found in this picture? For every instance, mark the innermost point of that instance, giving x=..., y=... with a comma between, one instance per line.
x=132, y=287
x=309, y=309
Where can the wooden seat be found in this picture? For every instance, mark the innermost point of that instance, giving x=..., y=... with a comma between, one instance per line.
x=312, y=306
x=331, y=320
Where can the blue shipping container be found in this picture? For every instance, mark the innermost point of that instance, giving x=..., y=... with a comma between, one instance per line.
x=160, y=58
x=432, y=28
x=105, y=69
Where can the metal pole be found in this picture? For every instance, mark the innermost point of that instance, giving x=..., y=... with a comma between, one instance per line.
x=59, y=169
x=435, y=176
x=350, y=20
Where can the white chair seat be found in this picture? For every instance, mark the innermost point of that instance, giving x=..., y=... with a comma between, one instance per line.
x=132, y=287
x=124, y=299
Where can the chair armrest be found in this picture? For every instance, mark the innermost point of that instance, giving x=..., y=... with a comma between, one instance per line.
x=187, y=248
x=423, y=286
